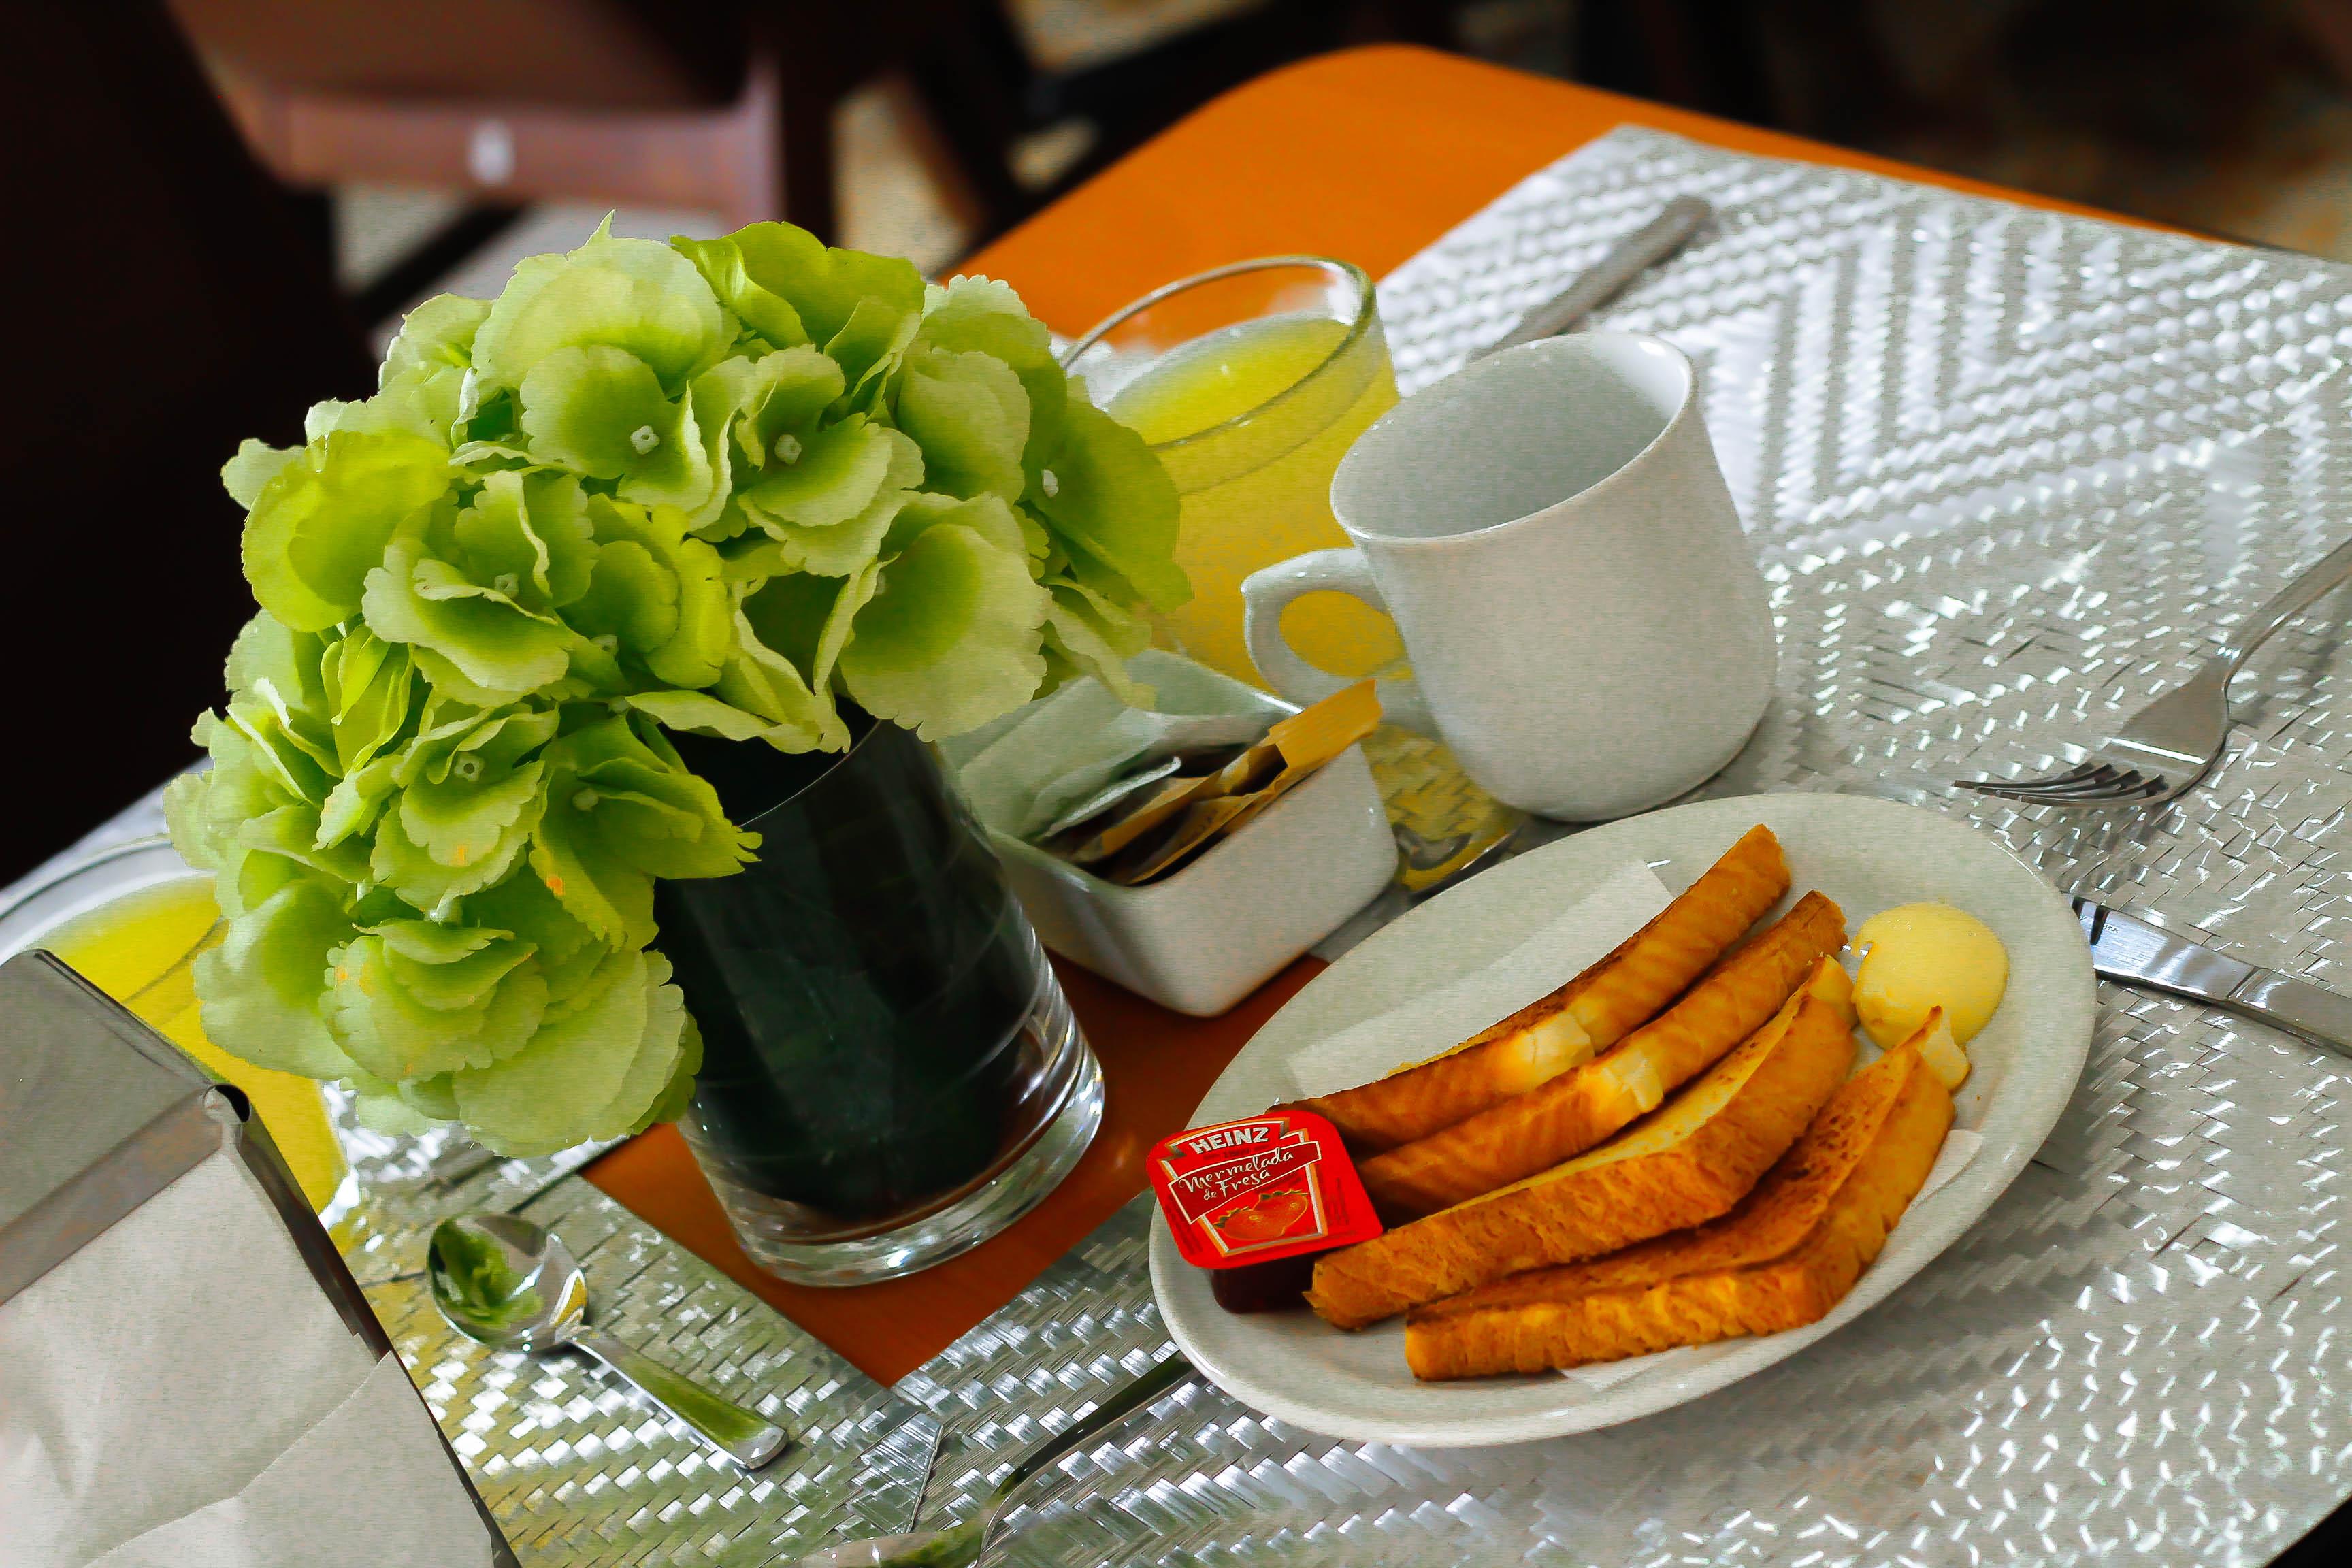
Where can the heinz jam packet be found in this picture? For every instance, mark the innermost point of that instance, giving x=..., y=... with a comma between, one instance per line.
x=1266, y=1187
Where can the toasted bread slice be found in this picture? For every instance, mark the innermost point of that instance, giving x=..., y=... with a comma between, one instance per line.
x=1783, y=1259
x=1572, y=1112
x=1587, y=1014
x=1691, y=1161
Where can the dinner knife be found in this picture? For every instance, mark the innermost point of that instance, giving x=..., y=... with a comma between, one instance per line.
x=2134, y=953
x=1603, y=281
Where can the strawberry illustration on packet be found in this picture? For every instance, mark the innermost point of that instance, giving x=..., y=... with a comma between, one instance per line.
x=1257, y=1201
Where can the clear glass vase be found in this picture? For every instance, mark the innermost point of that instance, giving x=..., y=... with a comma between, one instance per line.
x=890, y=1073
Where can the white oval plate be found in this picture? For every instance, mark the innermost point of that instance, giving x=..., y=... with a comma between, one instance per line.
x=1869, y=855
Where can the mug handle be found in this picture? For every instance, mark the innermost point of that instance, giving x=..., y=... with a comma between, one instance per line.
x=1266, y=593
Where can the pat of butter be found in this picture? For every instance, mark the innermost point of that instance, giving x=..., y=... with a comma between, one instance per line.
x=1919, y=957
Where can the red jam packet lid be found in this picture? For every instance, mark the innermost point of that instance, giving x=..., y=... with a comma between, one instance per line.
x=1262, y=1188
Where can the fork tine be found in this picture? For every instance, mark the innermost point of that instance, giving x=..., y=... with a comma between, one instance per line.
x=2125, y=787
x=2107, y=778
x=2055, y=781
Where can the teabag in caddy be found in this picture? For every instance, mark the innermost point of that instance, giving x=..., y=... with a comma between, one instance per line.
x=188, y=1374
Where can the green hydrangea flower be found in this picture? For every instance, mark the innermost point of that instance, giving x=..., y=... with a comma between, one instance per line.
x=722, y=486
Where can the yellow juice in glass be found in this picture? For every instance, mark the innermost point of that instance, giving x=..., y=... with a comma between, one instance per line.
x=1252, y=420
x=138, y=950
x=1260, y=376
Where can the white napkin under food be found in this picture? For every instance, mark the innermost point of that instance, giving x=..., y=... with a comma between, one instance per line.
x=180, y=1391
x=1960, y=1146
x=1439, y=1019
x=1024, y=770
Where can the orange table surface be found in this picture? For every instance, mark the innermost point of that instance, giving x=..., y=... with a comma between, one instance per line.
x=1370, y=154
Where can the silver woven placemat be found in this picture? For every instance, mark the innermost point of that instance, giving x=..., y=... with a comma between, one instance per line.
x=2010, y=473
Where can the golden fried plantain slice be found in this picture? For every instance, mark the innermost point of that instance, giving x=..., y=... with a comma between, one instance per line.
x=1783, y=1259
x=1587, y=1014
x=1691, y=1161
x=1570, y=1113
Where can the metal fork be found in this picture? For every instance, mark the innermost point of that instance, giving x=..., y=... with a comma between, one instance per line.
x=2163, y=750
x=971, y=1543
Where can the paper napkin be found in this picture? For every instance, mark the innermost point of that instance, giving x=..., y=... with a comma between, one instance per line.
x=1443, y=1017
x=180, y=1391
x=1024, y=771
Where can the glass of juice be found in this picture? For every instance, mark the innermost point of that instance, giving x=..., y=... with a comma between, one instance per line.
x=1251, y=382
x=132, y=920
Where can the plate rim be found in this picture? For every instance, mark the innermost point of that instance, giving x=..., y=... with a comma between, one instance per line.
x=2030, y=1108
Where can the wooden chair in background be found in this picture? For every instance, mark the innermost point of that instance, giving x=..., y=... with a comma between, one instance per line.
x=726, y=106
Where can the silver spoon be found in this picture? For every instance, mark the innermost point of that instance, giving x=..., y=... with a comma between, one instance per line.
x=506, y=1282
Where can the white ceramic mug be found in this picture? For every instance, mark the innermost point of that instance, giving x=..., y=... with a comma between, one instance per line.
x=1548, y=526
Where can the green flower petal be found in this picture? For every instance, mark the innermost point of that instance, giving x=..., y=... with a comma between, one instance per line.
x=460, y=823
x=292, y=832
x=677, y=1095
x=406, y=866
x=321, y=525
x=618, y=794
x=700, y=713
x=401, y=1019
x=633, y=295
x=430, y=1098
x=282, y=671
x=833, y=476
x=427, y=401
x=695, y=653
x=717, y=400
x=632, y=599
x=786, y=393
x=1094, y=636
x=357, y=800
x=665, y=601
x=188, y=814
x=393, y=1110
x=435, y=335
x=838, y=550
x=260, y=987
x=290, y=762
x=371, y=693
x=822, y=287
x=1112, y=507
x=446, y=976
x=614, y=899
x=208, y=811
x=661, y=1048
x=723, y=267
x=763, y=680
x=868, y=347
x=255, y=464
x=950, y=637
x=970, y=414
x=601, y=412
x=416, y=596
x=528, y=534
x=591, y=1074
x=569, y=955
x=426, y=943
x=982, y=316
